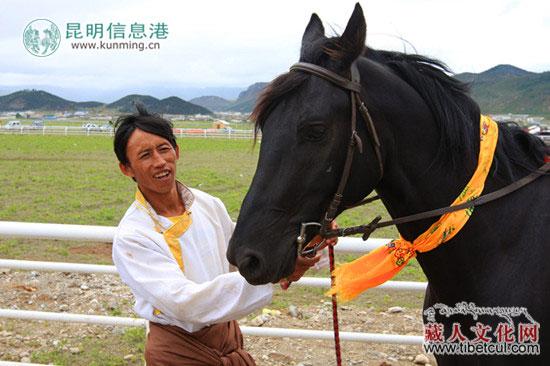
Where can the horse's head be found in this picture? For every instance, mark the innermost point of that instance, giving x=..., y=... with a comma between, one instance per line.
x=305, y=125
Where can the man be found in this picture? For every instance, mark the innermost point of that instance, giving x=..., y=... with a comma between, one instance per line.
x=170, y=249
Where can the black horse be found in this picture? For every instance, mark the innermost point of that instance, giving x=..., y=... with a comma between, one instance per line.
x=429, y=134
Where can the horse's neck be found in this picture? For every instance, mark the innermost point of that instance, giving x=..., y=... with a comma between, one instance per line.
x=410, y=141
x=408, y=188
x=412, y=185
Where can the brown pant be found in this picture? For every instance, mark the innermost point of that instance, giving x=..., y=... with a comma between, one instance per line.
x=220, y=345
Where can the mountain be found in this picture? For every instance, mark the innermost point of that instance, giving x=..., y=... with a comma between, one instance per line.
x=503, y=72
x=78, y=93
x=31, y=99
x=126, y=104
x=212, y=102
x=175, y=105
x=25, y=100
x=244, y=103
x=247, y=99
x=501, y=89
x=509, y=89
x=170, y=105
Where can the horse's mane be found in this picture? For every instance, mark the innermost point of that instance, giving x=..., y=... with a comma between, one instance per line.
x=448, y=100
x=456, y=114
x=281, y=87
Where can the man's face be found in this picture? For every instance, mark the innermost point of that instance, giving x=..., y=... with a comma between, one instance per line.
x=152, y=162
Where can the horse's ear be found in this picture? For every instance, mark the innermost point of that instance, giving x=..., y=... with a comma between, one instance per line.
x=313, y=32
x=353, y=38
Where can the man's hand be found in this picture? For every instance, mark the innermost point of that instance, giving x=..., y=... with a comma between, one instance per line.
x=305, y=263
x=302, y=265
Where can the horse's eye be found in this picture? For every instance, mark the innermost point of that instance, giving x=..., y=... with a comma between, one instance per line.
x=313, y=132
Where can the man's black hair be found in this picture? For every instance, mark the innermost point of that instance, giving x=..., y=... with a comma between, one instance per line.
x=145, y=121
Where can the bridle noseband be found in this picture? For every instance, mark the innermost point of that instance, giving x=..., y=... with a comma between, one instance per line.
x=354, y=87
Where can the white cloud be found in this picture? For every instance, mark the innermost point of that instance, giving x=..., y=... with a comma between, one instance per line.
x=235, y=43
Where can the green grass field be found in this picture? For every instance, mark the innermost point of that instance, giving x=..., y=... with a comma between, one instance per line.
x=76, y=180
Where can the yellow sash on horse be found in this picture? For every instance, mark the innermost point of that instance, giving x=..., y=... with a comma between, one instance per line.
x=386, y=261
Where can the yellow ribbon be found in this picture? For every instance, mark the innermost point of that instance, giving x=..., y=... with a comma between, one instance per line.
x=383, y=263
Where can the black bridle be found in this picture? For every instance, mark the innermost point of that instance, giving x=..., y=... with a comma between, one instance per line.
x=354, y=87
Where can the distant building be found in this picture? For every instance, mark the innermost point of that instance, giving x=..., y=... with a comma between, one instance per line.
x=220, y=123
x=201, y=117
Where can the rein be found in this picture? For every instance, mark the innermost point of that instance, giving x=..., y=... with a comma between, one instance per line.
x=366, y=230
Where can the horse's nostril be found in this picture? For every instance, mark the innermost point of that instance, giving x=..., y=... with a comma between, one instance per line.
x=250, y=262
x=251, y=267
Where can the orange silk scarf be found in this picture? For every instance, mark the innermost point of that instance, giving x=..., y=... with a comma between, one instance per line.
x=383, y=263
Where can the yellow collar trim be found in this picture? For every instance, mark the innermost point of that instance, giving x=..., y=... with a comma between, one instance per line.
x=386, y=261
x=179, y=224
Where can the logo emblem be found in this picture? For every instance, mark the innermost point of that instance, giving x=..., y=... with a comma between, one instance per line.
x=41, y=37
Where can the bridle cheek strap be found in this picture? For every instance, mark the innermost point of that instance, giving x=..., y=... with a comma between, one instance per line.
x=354, y=87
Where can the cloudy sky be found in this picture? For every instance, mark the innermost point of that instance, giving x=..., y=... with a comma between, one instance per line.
x=224, y=46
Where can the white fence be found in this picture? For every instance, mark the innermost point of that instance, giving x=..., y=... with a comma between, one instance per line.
x=106, y=233
x=99, y=131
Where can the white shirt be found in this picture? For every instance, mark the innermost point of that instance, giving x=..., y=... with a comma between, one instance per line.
x=205, y=292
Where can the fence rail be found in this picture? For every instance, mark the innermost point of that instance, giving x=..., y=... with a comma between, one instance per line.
x=99, y=131
x=106, y=234
x=251, y=331
x=106, y=269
